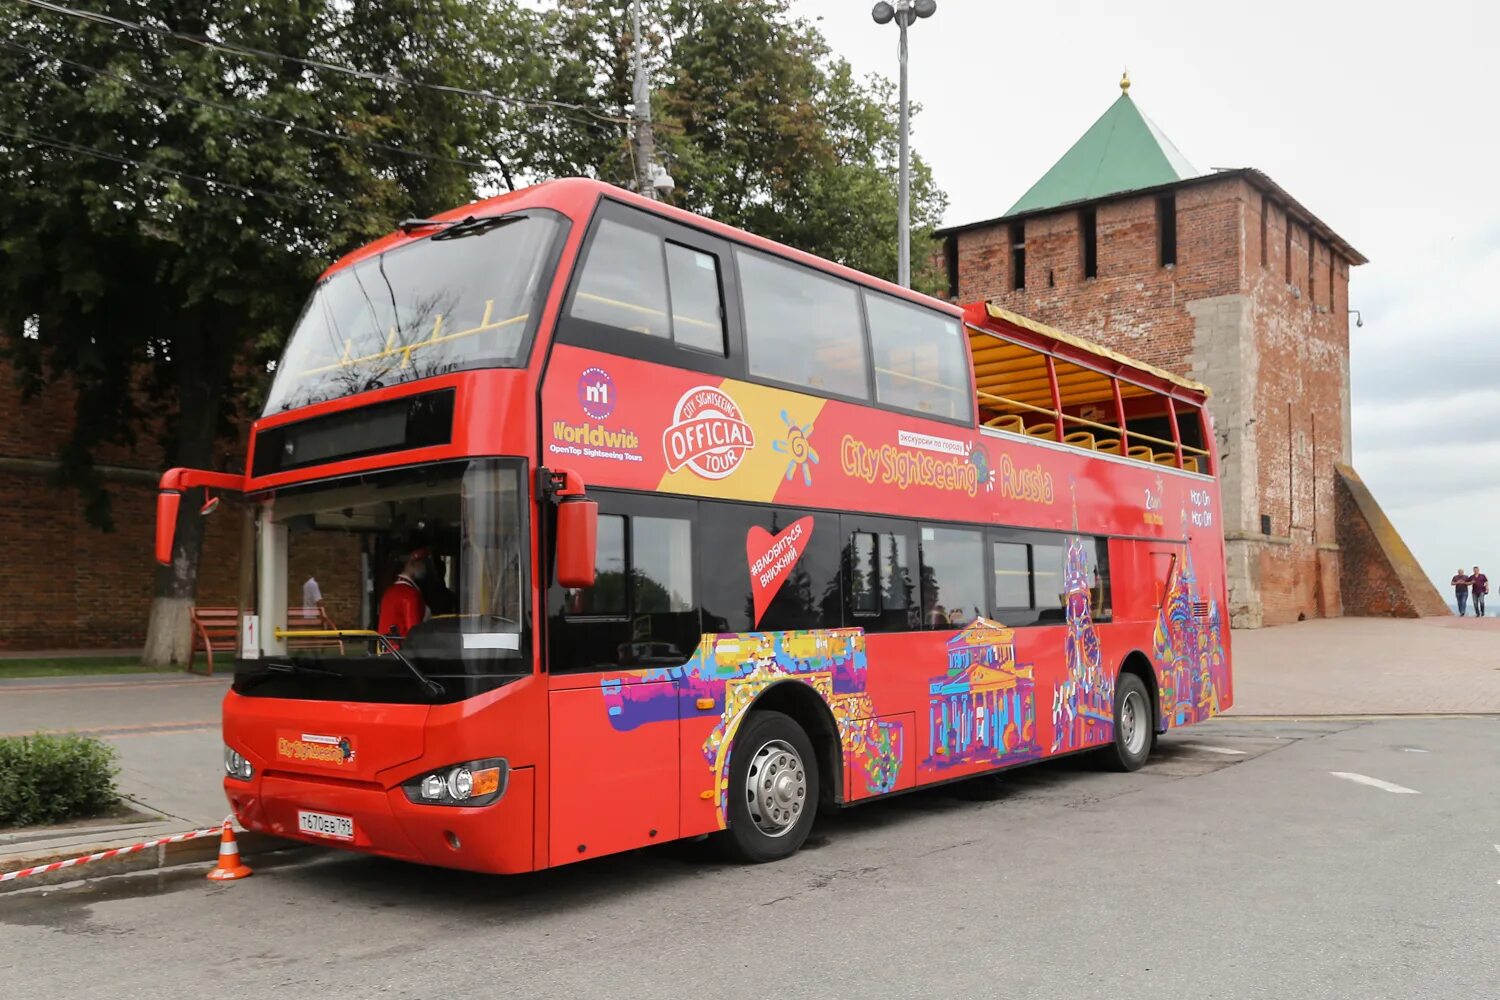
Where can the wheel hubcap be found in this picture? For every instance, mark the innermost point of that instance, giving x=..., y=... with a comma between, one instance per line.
x=1133, y=722
x=776, y=788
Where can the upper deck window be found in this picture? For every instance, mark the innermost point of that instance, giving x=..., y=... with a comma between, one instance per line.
x=920, y=361
x=461, y=298
x=802, y=327
x=634, y=280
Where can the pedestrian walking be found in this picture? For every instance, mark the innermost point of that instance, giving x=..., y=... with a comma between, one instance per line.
x=1460, y=583
x=1479, y=585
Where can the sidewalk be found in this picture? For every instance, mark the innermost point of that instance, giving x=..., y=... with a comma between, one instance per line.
x=1369, y=666
x=165, y=728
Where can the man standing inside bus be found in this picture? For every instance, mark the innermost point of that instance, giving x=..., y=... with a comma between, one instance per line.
x=402, y=606
x=1479, y=585
x=1460, y=590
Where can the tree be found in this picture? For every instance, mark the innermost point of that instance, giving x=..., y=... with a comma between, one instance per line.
x=761, y=125
x=165, y=205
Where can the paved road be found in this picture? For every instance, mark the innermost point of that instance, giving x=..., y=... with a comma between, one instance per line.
x=1206, y=875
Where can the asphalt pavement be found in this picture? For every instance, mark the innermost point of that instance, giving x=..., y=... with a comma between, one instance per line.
x=1325, y=859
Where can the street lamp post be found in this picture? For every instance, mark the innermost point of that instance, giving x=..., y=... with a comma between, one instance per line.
x=904, y=13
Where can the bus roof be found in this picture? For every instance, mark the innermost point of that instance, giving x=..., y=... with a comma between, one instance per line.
x=986, y=317
x=577, y=197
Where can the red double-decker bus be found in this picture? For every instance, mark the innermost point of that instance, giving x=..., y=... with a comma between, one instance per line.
x=580, y=523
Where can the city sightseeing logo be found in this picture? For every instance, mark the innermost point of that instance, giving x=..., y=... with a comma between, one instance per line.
x=708, y=434
x=596, y=393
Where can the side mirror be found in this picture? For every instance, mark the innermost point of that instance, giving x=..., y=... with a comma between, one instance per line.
x=167, y=503
x=577, y=541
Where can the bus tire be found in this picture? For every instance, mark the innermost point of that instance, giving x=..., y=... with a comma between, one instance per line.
x=1134, y=725
x=773, y=789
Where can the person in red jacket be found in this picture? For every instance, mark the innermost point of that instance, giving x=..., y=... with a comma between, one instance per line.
x=1479, y=585
x=402, y=606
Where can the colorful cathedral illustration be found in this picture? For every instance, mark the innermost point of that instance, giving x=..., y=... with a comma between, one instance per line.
x=1189, y=651
x=1083, y=703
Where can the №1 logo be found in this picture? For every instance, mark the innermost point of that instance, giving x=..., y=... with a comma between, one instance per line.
x=596, y=393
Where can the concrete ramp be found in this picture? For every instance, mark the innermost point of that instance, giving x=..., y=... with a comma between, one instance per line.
x=1378, y=575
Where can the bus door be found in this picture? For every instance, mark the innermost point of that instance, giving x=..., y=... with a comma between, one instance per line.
x=615, y=653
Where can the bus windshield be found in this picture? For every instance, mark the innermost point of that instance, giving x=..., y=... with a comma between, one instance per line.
x=430, y=559
x=466, y=296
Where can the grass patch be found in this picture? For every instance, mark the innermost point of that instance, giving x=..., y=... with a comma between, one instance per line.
x=50, y=778
x=75, y=665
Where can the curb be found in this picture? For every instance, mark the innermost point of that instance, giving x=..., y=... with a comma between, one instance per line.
x=183, y=852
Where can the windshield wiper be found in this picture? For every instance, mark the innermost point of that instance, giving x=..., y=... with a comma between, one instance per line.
x=433, y=687
x=472, y=225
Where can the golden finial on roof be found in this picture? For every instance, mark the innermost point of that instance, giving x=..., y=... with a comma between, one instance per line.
x=1125, y=82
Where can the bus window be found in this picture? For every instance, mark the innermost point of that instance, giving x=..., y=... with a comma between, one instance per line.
x=788, y=579
x=662, y=564
x=1012, y=575
x=952, y=577
x=623, y=283
x=921, y=359
x=607, y=596
x=1047, y=579
x=882, y=589
x=697, y=298
x=802, y=327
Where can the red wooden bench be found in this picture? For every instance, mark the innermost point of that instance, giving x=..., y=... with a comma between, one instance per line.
x=217, y=630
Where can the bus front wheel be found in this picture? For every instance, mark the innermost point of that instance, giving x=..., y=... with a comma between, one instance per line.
x=773, y=789
x=1135, y=724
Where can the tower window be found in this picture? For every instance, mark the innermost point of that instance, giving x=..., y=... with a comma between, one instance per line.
x=950, y=263
x=1166, y=230
x=1265, y=227
x=1288, y=249
x=1017, y=255
x=1088, y=226
x=1312, y=273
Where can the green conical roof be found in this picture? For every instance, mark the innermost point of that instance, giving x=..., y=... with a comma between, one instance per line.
x=1122, y=151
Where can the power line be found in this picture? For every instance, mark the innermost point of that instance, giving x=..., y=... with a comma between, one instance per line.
x=231, y=109
x=244, y=50
x=32, y=139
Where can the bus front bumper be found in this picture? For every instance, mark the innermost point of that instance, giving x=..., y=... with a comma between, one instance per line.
x=497, y=838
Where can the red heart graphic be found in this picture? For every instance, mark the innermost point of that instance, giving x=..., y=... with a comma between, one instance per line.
x=771, y=559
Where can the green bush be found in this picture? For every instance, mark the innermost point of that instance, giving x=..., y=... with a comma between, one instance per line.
x=48, y=778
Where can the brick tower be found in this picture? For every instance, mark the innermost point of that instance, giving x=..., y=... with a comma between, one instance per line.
x=1226, y=278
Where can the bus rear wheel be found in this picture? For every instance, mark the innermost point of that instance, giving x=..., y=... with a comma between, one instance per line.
x=1135, y=725
x=773, y=789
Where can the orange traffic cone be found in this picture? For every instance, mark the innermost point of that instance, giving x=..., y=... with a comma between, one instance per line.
x=230, y=866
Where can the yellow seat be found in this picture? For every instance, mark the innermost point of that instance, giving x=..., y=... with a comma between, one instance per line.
x=1079, y=439
x=1141, y=452
x=1191, y=464
x=1042, y=430
x=1165, y=458
x=1110, y=445
x=1007, y=422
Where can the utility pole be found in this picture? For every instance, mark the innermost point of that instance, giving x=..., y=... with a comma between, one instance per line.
x=905, y=13
x=645, y=142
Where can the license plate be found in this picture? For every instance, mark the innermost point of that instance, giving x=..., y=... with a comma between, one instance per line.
x=324, y=825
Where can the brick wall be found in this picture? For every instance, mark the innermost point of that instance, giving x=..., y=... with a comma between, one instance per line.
x=1267, y=332
x=76, y=586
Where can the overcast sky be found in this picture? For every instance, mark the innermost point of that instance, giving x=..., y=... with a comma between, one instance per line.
x=1380, y=118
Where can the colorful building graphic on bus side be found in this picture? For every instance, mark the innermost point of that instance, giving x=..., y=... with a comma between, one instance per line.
x=1189, y=651
x=983, y=709
x=1083, y=702
x=732, y=670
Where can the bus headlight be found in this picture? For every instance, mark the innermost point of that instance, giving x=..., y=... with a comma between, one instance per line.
x=471, y=783
x=235, y=764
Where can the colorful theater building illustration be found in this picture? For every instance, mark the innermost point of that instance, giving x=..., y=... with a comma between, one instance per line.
x=1083, y=703
x=983, y=709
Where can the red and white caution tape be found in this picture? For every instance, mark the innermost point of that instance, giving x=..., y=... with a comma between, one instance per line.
x=111, y=853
